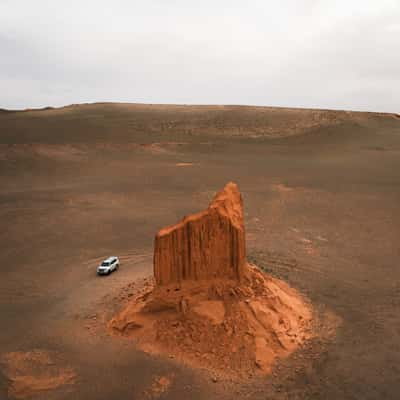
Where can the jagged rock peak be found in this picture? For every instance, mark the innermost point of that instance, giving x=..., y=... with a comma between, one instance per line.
x=229, y=203
x=206, y=245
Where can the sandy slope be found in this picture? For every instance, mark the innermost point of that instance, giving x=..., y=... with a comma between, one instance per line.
x=321, y=211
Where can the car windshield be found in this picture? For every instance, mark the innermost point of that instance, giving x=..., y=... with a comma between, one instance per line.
x=105, y=264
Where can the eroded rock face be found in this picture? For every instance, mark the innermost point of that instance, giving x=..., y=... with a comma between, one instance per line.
x=206, y=245
x=207, y=306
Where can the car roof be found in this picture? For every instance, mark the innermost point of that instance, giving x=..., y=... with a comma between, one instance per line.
x=109, y=259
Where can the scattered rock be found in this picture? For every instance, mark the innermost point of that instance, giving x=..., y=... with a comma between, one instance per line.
x=233, y=318
x=159, y=386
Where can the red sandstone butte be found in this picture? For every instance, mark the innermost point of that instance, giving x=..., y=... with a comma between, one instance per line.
x=206, y=245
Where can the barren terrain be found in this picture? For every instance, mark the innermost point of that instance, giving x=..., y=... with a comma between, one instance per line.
x=321, y=194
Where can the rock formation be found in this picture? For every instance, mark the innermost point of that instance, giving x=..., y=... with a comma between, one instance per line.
x=207, y=306
x=206, y=245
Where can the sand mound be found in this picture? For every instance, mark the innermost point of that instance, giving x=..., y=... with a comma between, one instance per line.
x=34, y=372
x=233, y=329
x=208, y=306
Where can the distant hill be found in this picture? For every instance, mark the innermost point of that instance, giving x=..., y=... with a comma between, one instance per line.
x=147, y=123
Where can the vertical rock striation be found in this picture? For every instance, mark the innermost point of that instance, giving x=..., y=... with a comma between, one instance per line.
x=206, y=299
x=206, y=245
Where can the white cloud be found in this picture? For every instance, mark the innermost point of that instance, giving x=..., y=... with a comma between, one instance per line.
x=311, y=53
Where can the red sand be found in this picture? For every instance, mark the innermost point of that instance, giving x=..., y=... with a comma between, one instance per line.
x=34, y=372
x=159, y=386
x=222, y=326
x=208, y=307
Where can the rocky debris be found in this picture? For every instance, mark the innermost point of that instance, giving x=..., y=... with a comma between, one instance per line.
x=159, y=386
x=206, y=245
x=207, y=306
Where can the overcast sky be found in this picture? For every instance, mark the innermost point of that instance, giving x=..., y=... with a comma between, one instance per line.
x=304, y=53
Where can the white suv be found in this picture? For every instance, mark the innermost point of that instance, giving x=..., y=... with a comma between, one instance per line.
x=107, y=266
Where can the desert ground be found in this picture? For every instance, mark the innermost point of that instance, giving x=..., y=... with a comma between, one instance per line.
x=321, y=194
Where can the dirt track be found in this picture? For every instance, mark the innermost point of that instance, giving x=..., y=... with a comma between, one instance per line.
x=321, y=202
